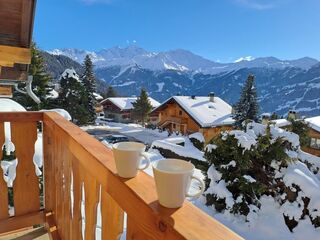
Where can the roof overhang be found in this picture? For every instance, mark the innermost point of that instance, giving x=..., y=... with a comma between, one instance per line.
x=16, y=29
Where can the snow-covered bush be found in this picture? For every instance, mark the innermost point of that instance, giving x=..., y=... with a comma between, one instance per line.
x=174, y=148
x=263, y=161
x=197, y=140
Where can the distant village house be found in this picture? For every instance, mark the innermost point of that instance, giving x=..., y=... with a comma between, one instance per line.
x=313, y=133
x=119, y=109
x=188, y=114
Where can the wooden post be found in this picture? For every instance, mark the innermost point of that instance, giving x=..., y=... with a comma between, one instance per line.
x=4, y=212
x=26, y=185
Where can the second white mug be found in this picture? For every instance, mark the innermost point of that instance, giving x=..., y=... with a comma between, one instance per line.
x=173, y=178
x=127, y=156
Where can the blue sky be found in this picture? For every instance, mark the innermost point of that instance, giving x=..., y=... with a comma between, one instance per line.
x=221, y=30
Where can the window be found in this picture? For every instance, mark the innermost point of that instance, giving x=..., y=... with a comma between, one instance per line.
x=180, y=113
x=315, y=143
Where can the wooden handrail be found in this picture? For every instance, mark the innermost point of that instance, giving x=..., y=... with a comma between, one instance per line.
x=21, y=116
x=136, y=196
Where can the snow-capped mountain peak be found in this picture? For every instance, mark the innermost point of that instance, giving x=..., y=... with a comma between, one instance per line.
x=247, y=58
x=77, y=55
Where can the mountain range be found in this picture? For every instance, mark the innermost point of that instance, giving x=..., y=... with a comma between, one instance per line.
x=180, y=60
x=282, y=85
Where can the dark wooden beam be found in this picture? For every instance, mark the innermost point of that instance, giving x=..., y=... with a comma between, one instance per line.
x=5, y=90
x=19, y=73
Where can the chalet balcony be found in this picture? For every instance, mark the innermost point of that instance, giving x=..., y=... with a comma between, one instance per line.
x=173, y=120
x=79, y=175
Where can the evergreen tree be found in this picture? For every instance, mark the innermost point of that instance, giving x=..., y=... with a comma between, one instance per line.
x=89, y=83
x=251, y=172
x=301, y=128
x=274, y=116
x=40, y=83
x=247, y=107
x=72, y=97
x=110, y=92
x=7, y=157
x=142, y=107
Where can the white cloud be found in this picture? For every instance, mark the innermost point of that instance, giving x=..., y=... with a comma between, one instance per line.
x=259, y=4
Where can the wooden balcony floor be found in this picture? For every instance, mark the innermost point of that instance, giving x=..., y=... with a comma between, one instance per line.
x=35, y=233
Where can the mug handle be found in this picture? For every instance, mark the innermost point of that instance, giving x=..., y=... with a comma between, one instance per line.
x=202, y=186
x=144, y=155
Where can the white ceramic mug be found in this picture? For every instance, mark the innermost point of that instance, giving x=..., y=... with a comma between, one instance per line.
x=173, y=178
x=127, y=156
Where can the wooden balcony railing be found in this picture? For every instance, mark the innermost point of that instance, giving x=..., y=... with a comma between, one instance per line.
x=175, y=120
x=78, y=168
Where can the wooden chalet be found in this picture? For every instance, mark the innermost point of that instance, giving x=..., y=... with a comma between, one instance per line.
x=313, y=132
x=189, y=114
x=78, y=171
x=119, y=109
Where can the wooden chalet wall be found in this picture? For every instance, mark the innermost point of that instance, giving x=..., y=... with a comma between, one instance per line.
x=172, y=110
x=313, y=134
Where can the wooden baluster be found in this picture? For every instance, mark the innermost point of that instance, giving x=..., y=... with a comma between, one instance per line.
x=3, y=186
x=48, y=169
x=112, y=217
x=26, y=185
x=59, y=182
x=77, y=191
x=91, y=188
x=67, y=192
x=63, y=191
x=49, y=174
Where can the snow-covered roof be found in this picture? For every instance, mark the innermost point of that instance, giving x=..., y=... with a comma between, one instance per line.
x=314, y=123
x=8, y=105
x=281, y=122
x=53, y=94
x=97, y=96
x=70, y=73
x=266, y=114
x=205, y=112
x=125, y=103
